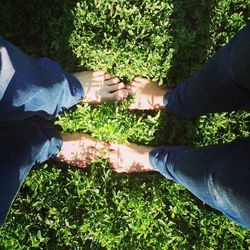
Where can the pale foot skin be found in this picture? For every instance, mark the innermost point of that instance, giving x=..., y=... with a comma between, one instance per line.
x=100, y=86
x=80, y=150
x=130, y=158
x=148, y=95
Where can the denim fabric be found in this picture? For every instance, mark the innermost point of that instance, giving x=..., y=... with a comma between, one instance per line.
x=33, y=87
x=219, y=175
x=222, y=84
x=32, y=92
x=29, y=144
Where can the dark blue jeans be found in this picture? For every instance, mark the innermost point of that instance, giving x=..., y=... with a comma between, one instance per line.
x=219, y=175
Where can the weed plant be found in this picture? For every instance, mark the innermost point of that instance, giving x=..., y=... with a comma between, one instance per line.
x=60, y=207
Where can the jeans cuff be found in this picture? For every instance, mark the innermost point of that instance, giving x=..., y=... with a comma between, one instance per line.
x=163, y=159
x=174, y=101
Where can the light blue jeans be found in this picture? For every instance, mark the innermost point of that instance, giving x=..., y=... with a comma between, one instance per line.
x=219, y=175
x=32, y=92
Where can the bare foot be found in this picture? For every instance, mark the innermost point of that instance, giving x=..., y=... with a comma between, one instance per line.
x=148, y=94
x=79, y=150
x=100, y=86
x=130, y=158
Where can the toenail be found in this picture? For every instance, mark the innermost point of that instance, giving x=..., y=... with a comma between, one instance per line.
x=157, y=106
x=116, y=80
x=124, y=94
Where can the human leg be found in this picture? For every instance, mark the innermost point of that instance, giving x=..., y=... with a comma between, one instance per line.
x=41, y=87
x=22, y=146
x=26, y=144
x=222, y=84
x=218, y=175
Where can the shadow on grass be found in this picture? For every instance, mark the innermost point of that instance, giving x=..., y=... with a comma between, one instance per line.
x=190, y=23
x=40, y=28
x=173, y=130
x=189, y=29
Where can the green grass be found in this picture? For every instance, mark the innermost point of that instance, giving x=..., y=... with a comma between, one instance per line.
x=60, y=207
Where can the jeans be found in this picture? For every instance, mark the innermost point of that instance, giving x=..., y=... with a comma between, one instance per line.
x=32, y=92
x=219, y=175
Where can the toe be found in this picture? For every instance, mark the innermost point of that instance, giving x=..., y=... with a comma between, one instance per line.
x=131, y=89
x=113, y=81
x=99, y=73
x=141, y=80
x=113, y=160
x=102, y=76
x=119, y=95
x=92, y=153
x=113, y=147
x=115, y=87
x=108, y=76
x=137, y=84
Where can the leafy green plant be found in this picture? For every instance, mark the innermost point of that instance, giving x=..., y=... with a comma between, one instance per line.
x=60, y=207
